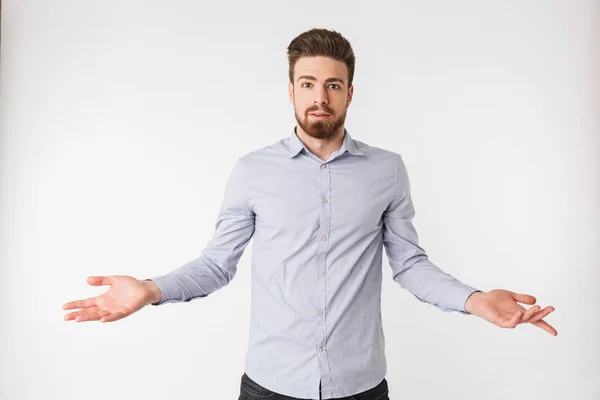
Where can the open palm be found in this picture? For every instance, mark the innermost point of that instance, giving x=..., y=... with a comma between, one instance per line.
x=502, y=308
x=125, y=296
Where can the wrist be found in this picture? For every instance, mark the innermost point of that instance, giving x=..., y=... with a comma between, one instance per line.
x=154, y=293
x=470, y=303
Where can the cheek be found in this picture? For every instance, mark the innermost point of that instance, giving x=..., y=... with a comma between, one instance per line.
x=302, y=103
x=302, y=107
x=300, y=110
x=339, y=106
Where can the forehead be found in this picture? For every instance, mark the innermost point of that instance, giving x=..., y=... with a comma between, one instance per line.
x=321, y=67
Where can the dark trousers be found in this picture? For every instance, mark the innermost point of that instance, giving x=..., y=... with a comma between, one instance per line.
x=250, y=390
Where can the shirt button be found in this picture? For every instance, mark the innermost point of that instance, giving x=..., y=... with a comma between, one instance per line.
x=319, y=273
x=323, y=237
x=320, y=312
x=320, y=349
x=324, y=201
x=323, y=166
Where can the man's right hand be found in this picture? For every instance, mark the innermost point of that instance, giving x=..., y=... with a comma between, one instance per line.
x=125, y=296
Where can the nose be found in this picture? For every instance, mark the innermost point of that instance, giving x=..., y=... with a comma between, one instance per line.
x=321, y=96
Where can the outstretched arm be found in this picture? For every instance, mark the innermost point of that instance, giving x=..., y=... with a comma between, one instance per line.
x=201, y=276
x=411, y=266
x=414, y=272
x=217, y=264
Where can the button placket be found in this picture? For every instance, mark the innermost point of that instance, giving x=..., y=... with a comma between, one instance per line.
x=321, y=280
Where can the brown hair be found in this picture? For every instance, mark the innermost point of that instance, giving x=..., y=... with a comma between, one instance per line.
x=321, y=42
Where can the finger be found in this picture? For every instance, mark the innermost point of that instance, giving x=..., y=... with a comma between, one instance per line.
x=512, y=322
x=529, y=313
x=113, y=317
x=524, y=298
x=93, y=314
x=71, y=316
x=90, y=302
x=542, y=314
x=515, y=319
x=82, y=313
x=102, y=313
x=94, y=281
x=83, y=317
x=99, y=280
x=545, y=326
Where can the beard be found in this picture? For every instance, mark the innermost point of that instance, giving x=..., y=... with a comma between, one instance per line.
x=325, y=129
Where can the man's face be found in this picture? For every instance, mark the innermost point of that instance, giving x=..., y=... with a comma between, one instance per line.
x=320, y=87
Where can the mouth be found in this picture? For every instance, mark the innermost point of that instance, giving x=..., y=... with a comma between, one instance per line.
x=319, y=116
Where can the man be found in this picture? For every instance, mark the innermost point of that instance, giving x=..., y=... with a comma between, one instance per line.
x=321, y=207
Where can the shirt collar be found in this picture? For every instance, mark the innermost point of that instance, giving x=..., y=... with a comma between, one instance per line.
x=295, y=145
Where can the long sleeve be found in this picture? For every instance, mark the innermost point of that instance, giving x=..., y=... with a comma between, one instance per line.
x=409, y=262
x=217, y=264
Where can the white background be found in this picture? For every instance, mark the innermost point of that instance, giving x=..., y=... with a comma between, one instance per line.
x=120, y=121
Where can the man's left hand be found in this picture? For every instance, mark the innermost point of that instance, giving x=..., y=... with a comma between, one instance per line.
x=500, y=307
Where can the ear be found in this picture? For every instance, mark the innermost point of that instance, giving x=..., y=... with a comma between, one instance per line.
x=350, y=94
x=291, y=92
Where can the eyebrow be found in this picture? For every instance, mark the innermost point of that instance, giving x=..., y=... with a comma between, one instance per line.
x=312, y=78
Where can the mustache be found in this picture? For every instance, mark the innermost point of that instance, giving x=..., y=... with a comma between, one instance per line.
x=316, y=108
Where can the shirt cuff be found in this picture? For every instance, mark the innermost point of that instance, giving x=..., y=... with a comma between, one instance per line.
x=168, y=289
x=458, y=295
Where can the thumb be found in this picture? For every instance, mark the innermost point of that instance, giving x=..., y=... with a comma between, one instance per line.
x=524, y=298
x=99, y=280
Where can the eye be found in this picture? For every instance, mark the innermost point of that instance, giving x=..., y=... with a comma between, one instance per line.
x=305, y=83
x=335, y=84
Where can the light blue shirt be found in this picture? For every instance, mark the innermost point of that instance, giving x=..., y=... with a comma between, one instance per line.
x=319, y=228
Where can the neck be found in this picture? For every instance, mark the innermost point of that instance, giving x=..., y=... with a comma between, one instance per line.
x=322, y=148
